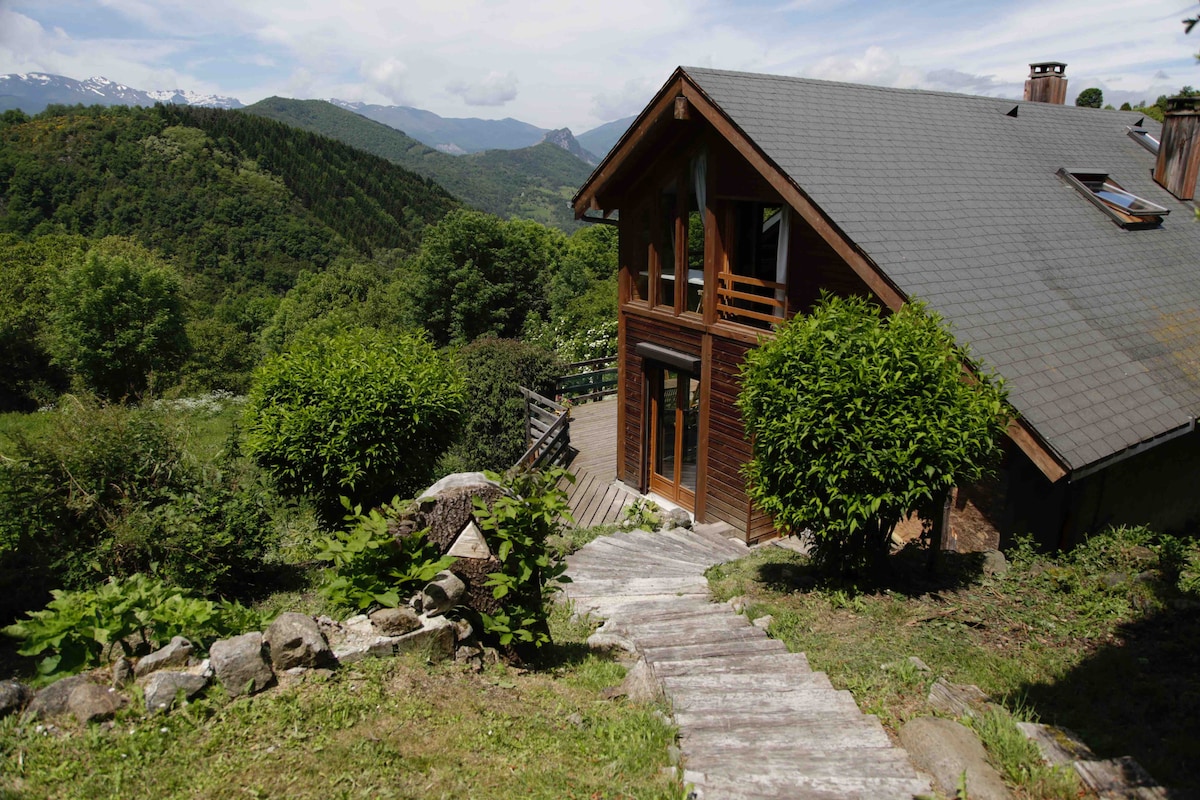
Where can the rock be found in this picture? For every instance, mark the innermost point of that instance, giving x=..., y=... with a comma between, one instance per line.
x=395, y=621
x=640, y=685
x=161, y=688
x=50, y=701
x=610, y=641
x=435, y=641
x=13, y=697
x=90, y=702
x=956, y=700
x=295, y=640
x=994, y=563
x=1112, y=580
x=240, y=665
x=203, y=669
x=946, y=749
x=122, y=672
x=675, y=518
x=918, y=663
x=763, y=622
x=359, y=624
x=442, y=593
x=463, y=630
x=739, y=604
x=174, y=654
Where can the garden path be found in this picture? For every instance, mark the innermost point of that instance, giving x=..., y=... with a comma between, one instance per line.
x=755, y=722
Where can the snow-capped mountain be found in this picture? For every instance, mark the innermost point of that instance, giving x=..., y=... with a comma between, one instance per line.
x=33, y=91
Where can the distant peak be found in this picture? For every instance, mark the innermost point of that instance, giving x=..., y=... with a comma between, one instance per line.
x=566, y=140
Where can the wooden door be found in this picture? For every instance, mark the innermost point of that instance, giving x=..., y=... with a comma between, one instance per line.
x=674, y=434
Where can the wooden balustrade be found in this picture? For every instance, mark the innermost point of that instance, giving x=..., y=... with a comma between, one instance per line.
x=750, y=301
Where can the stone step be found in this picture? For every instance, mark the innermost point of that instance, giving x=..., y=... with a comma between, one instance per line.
x=842, y=787
x=817, y=731
x=717, y=650
x=815, y=700
x=865, y=762
x=707, y=634
x=666, y=545
x=744, y=665
x=725, y=682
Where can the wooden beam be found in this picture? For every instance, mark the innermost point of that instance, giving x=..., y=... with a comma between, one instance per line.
x=681, y=108
x=1040, y=454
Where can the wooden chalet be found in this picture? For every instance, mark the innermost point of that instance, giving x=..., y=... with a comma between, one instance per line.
x=741, y=197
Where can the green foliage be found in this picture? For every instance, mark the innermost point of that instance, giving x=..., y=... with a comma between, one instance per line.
x=859, y=419
x=492, y=435
x=76, y=628
x=108, y=490
x=521, y=520
x=28, y=271
x=481, y=276
x=643, y=514
x=371, y=566
x=1090, y=98
x=364, y=414
x=117, y=319
x=1018, y=759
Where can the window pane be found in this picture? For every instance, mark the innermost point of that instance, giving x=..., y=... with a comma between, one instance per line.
x=695, y=256
x=664, y=461
x=668, y=210
x=640, y=256
x=690, y=407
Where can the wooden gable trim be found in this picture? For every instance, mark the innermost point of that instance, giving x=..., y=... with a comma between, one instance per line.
x=663, y=106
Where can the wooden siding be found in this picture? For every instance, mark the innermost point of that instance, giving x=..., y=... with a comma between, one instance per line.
x=812, y=266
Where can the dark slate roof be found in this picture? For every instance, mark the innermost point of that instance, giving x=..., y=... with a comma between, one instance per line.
x=1096, y=329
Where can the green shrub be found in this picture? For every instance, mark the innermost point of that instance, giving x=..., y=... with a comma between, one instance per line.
x=76, y=628
x=107, y=490
x=117, y=319
x=521, y=520
x=492, y=436
x=365, y=415
x=369, y=566
x=859, y=419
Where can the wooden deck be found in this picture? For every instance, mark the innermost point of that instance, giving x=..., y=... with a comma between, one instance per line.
x=596, y=498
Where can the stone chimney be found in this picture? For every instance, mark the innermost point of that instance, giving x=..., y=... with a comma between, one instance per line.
x=1047, y=83
x=1179, y=151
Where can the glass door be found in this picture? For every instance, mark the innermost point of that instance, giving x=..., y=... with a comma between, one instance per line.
x=674, y=422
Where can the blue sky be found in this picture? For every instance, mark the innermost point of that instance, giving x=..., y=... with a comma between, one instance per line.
x=555, y=63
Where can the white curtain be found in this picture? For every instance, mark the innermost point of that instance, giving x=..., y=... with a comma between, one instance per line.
x=781, y=254
x=700, y=182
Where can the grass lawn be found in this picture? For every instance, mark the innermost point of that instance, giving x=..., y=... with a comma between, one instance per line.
x=1099, y=641
x=381, y=728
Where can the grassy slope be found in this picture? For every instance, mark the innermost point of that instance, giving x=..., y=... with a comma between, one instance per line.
x=1097, y=641
x=534, y=182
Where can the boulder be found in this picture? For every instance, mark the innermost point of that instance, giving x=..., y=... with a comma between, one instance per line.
x=13, y=697
x=435, y=640
x=240, y=664
x=946, y=749
x=639, y=686
x=161, y=689
x=675, y=518
x=395, y=621
x=994, y=563
x=51, y=701
x=122, y=672
x=90, y=702
x=174, y=654
x=295, y=640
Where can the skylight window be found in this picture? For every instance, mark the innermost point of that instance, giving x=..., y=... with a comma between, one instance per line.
x=1122, y=206
x=1143, y=137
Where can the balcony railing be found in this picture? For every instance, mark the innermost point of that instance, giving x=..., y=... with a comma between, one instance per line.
x=750, y=301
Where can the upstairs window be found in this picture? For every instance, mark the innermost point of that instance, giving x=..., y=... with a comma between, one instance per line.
x=751, y=288
x=1123, y=207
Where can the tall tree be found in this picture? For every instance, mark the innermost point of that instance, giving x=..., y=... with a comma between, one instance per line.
x=1090, y=98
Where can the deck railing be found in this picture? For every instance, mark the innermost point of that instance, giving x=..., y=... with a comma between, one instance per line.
x=547, y=431
x=588, y=380
x=750, y=301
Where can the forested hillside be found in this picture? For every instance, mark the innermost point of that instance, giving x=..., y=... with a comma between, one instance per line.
x=533, y=183
x=237, y=201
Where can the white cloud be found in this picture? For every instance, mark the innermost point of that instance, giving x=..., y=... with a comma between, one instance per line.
x=388, y=78
x=495, y=89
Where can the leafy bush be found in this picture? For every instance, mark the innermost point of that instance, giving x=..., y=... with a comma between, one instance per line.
x=369, y=566
x=108, y=490
x=531, y=510
x=76, y=628
x=492, y=435
x=859, y=419
x=363, y=414
x=117, y=319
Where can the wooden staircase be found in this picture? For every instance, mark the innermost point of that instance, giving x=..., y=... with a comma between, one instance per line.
x=755, y=722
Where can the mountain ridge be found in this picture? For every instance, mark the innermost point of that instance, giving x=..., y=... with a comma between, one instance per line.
x=32, y=92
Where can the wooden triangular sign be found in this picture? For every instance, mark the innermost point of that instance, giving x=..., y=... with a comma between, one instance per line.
x=470, y=543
